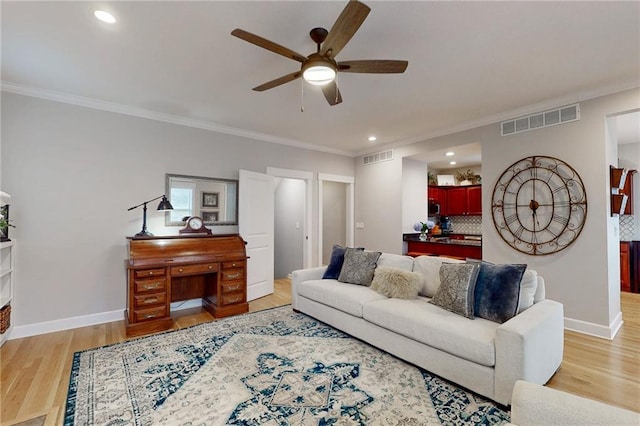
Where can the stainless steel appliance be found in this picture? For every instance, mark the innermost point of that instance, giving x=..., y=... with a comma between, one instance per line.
x=434, y=208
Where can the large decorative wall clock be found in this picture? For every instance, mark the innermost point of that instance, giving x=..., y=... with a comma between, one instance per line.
x=539, y=205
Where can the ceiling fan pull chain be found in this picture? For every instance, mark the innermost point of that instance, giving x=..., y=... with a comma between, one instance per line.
x=337, y=85
x=301, y=95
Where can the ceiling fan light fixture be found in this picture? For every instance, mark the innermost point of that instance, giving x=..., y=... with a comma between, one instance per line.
x=319, y=75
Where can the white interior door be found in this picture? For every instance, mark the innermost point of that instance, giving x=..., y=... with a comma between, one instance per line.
x=255, y=223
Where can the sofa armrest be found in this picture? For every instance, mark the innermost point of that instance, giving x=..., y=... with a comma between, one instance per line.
x=302, y=275
x=533, y=405
x=529, y=347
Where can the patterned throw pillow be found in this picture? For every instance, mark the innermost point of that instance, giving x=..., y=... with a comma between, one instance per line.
x=457, y=284
x=335, y=263
x=358, y=266
x=396, y=282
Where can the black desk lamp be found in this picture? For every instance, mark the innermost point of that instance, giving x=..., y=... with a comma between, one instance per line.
x=164, y=205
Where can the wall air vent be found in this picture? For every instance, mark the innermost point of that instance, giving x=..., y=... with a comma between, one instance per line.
x=377, y=157
x=538, y=120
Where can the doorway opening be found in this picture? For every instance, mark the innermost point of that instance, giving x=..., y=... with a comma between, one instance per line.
x=335, y=214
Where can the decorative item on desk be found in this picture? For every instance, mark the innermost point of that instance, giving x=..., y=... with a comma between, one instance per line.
x=164, y=205
x=423, y=228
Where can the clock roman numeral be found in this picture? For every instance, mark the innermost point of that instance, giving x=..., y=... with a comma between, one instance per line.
x=560, y=219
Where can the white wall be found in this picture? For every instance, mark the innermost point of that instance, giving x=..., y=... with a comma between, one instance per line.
x=414, y=193
x=378, y=195
x=582, y=276
x=334, y=213
x=288, y=226
x=73, y=172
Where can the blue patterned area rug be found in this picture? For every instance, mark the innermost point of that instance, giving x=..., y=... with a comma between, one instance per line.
x=269, y=368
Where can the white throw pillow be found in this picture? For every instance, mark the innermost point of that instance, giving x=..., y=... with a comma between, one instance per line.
x=528, y=287
x=429, y=267
x=396, y=260
x=396, y=282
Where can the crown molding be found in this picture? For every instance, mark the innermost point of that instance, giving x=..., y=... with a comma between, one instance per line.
x=118, y=108
x=511, y=114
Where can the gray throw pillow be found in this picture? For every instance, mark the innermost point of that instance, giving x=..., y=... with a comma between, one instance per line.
x=358, y=266
x=457, y=284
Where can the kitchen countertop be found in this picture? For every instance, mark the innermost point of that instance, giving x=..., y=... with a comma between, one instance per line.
x=469, y=240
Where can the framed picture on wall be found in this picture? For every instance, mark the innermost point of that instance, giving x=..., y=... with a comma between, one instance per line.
x=210, y=199
x=209, y=216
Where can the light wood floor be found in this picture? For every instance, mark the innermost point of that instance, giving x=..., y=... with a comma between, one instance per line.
x=35, y=370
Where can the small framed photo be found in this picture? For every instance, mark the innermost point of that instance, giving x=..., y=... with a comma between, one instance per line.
x=210, y=199
x=209, y=216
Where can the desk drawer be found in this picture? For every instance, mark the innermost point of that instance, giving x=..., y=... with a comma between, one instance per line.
x=232, y=274
x=229, y=299
x=145, y=286
x=146, y=273
x=147, y=300
x=232, y=286
x=233, y=264
x=150, y=314
x=194, y=269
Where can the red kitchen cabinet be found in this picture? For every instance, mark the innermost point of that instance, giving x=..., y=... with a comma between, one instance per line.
x=439, y=195
x=457, y=201
x=474, y=200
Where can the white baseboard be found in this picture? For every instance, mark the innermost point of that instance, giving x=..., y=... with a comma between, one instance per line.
x=85, y=320
x=20, y=331
x=597, y=330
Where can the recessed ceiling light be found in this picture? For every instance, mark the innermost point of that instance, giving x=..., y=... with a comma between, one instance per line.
x=372, y=138
x=449, y=154
x=452, y=162
x=104, y=16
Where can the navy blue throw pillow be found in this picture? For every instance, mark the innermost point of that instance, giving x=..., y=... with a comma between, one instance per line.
x=498, y=291
x=335, y=263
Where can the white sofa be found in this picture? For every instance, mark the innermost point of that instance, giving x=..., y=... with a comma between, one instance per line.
x=483, y=356
x=535, y=405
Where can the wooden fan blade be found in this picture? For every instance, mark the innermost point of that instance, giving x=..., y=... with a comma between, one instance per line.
x=331, y=93
x=269, y=45
x=278, y=81
x=381, y=66
x=352, y=16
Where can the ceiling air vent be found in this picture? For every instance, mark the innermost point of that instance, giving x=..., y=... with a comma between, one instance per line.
x=539, y=120
x=377, y=157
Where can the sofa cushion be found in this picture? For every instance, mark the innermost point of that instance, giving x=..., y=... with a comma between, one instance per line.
x=457, y=283
x=498, y=291
x=396, y=282
x=397, y=261
x=358, y=266
x=345, y=297
x=429, y=267
x=335, y=263
x=528, y=288
x=426, y=323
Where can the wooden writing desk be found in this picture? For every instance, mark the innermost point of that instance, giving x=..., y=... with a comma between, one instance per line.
x=161, y=270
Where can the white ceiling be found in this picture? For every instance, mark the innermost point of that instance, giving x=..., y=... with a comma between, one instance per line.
x=470, y=63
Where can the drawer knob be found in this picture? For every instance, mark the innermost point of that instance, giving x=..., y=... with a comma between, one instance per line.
x=180, y=270
x=150, y=272
x=210, y=267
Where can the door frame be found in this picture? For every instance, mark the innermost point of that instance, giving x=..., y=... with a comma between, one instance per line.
x=350, y=210
x=307, y=177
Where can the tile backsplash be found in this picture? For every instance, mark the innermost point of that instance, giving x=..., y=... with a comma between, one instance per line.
x=627, y=228
x=466, y=224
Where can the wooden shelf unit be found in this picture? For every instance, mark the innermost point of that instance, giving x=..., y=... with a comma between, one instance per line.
x=7, y=282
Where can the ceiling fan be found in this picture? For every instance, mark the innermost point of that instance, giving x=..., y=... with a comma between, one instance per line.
x=320, y=68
